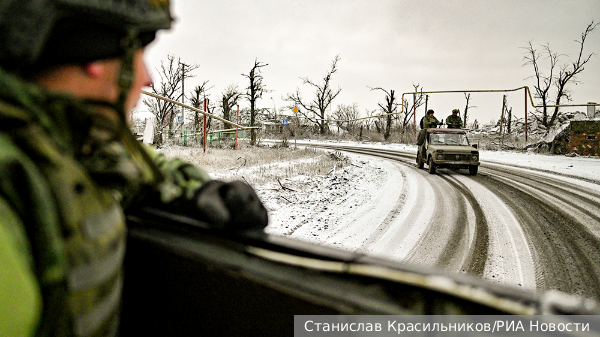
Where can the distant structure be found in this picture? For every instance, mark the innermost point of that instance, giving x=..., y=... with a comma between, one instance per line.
x=148, y=137
x=584, y=137
x=591, y=110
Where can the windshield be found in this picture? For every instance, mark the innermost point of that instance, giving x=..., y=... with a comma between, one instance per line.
x=449, y=139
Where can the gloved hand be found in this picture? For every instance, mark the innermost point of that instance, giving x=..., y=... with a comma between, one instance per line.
x=234, y=205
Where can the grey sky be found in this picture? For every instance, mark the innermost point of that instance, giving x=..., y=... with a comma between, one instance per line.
x=441, y=45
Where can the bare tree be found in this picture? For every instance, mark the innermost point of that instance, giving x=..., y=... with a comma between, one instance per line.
x=557, y=77
x=169, y=86
x=229, y=99
x=370, y=123
x=347, y=114
x=315, y=110
x=390, y=107
x=467, y=106
x=197, y=97
x=254, y=91
x=378, y=120
x=411, y=107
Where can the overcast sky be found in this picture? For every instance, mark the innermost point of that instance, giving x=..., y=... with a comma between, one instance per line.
x=441, y=45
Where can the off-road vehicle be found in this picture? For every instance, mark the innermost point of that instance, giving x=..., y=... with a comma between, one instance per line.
x=450, y=148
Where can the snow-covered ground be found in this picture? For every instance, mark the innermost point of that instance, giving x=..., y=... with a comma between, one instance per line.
x=581, y=167
x=315, y=208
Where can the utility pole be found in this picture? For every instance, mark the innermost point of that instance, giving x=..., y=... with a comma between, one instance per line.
x=183, y=65
x=502, y=114
x=238, y=123
x=275, y=111
x=415, y=111
x=204, y=128
x=502, y=122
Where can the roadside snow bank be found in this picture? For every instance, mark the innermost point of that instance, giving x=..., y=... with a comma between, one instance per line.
x=313, y=208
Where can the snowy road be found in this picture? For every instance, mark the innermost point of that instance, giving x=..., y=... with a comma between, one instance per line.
x=514, y=226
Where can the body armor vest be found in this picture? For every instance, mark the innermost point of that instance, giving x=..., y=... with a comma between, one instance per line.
x=76, y=229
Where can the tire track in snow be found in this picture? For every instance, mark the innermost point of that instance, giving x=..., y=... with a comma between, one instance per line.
x=443, y=242
x=404, y=230
x=565, y=250
x=476, y=257
x=509, y=259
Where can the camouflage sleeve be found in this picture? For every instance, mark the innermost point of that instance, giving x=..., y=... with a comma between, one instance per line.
x=427, y=123
x=181, y=174
x=181, y=180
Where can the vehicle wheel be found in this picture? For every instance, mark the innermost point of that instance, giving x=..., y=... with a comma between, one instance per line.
x=431, y=165
x=473, y=169
x=420, y=163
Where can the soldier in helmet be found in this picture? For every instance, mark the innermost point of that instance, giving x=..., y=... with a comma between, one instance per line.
x=70, y=70
x=454, y=121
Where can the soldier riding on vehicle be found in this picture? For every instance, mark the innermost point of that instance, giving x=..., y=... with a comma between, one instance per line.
x=429, y=121
x=454, y=121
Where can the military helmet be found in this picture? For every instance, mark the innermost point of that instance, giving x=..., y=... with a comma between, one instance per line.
x=455, y=111
x=26, y=26
x=429, y=112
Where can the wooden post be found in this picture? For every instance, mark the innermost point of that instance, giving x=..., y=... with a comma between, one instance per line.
x=204, y=128
x=502, y=114
x=426, y=101
x=415, y=111
x=525, y=89
x=502, y=122
x=414, y=120
x=238, y=123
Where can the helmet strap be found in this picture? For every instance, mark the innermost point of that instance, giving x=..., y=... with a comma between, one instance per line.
x=131, y=44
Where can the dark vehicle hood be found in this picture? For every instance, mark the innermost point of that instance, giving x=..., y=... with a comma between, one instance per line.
x=185, y=279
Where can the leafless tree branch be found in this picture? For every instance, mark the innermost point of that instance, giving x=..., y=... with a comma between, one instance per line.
x=316, y=109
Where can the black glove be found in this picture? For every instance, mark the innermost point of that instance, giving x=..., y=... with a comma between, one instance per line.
x=233, y=205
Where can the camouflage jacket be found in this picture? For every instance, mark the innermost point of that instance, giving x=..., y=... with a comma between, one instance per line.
x=430, y=122
x=454, y=122
x=68, y=167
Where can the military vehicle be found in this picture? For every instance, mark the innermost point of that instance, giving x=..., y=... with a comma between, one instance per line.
x=447, y=148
